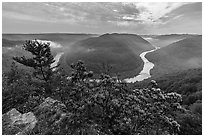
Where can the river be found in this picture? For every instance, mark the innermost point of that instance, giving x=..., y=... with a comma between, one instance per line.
x=56, y=58
x=145, y=73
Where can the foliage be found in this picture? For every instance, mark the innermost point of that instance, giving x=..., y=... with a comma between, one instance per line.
x=108, y=106
x=13, y=75
x=187, y=83
x=41, y=62
x=192, y=98
x=196, y=107
x=191, y=124
x=16, y=88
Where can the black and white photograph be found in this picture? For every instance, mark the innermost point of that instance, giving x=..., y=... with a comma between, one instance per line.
x=101, y=68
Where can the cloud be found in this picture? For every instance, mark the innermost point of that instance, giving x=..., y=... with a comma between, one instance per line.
x=101, y=15
x=92, y=12
x=23, y=17
x=152, y=12
x=123, y=23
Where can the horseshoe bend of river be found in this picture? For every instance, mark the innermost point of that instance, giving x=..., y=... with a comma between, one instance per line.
x=144, y=74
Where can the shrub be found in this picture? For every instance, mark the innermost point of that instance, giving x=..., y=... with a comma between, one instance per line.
x=109, y=106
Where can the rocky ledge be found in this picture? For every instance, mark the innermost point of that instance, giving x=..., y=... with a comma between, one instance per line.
x=44, y=116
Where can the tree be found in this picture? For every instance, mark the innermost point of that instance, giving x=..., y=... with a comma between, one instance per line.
x=41, y=61
x=106, y=67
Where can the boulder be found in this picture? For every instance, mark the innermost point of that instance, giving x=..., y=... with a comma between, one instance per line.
x=45, y=118
x=13, y=122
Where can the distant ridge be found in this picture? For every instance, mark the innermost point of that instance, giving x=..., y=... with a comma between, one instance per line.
x=184, y=34
x=49, y=33
x=165, y=40
x=64, y=39
x=11, y=43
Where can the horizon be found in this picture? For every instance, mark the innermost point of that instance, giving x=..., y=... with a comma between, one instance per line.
x=72, y=33
x=157, y=18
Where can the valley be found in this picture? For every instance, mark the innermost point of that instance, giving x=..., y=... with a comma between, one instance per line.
x=125, y=54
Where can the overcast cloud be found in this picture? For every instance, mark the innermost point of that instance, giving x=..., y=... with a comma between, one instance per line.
x=140, y=18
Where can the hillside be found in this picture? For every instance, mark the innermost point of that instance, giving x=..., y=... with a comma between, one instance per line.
x=64, y=39
x=165, y=40
x=182, y=55
x=11, y=43
x=119, y=51
x=8, y=53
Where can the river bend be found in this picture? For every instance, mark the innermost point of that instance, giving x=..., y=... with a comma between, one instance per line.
x=145, y=73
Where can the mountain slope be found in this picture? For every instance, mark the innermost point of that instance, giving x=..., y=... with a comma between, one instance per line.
x=64, y=39
x=11, y=43
x=119, y=51
x=165, y=40
x=182, y=55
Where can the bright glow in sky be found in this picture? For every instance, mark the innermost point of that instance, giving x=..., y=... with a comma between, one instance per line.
x=140, y=18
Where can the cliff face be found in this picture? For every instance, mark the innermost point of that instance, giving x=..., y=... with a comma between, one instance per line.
x=43, y=118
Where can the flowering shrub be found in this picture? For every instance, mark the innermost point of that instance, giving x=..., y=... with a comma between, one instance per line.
x=109, y=106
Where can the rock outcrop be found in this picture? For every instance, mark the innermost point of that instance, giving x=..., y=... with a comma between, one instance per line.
x=13, y=122
x=42, y=120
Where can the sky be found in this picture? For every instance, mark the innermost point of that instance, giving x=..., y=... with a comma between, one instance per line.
x=100, y=18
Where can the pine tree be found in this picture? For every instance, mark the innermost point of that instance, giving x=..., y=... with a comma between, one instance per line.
x=41, y=61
